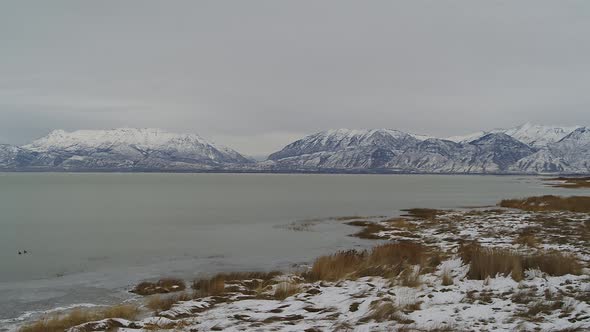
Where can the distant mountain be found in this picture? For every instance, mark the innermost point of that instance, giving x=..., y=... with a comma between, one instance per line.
x=125, y=149
x=571, y=154
x=534, y=135
x=344, y=148
x=397, y=151
x=526, y=149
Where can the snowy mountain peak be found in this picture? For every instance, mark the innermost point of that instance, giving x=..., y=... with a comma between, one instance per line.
x=528, y=133
x=131, y=147
x=344, y=139
x=144, y=138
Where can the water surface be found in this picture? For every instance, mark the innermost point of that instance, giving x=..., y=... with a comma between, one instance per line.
x=91, y=236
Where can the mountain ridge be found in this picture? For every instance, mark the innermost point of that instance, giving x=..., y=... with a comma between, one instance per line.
x=525, y=149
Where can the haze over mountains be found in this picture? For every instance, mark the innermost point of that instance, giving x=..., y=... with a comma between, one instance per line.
x=526, y=149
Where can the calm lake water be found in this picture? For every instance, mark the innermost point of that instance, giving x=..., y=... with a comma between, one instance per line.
x=91, y=236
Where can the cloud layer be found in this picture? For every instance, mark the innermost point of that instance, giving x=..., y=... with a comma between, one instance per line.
x=256, y=74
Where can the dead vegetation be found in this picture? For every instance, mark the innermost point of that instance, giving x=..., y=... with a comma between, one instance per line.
x=60, y=322
x=382, y=311
x=447, y=278
x=162, y=286
x=370, y=230
x=420, y=213
x=158, y=303
x=549, y=203
x=286, y=289
x=571, y=182
x=489, y=262
x=221, y=283
x=387, y=260
x=209, y=287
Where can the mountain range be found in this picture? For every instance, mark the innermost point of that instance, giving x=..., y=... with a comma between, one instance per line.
x=526, y=149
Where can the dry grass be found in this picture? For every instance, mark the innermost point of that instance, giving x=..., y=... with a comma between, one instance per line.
x=447, y=278
x=382, y=312
x=370, y=230
x=549, y=203
x=527, y=238
x=386, y=260
x=428, y=214
x=159, y=303
x=286, y=289
x=410, y=276
x=571, y=183
x=488, y=262
x=209, y=287
x=162, y=286
x=216, y=285
x=60, y=322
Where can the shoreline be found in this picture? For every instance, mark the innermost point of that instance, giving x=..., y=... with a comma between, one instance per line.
x=450, y=281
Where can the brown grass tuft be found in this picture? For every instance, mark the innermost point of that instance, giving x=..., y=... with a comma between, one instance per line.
x=286, y=289
x=447, y=278
x=410, y=276
x=549, y=203
x=370, y=230
x=159, y=303
x=428, y=214
x=488, y=262
x=386, y=260
x=209, y=287
x=162, y=286
x=571, y=183
x=60, y=322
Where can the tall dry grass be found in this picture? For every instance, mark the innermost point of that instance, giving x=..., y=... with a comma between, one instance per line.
x=209, y=287
x=489, y=262
x=386, y=260
x=549, y=203
x=286, y=289
x=60, y=322
x=162, y=286
x=158, y=303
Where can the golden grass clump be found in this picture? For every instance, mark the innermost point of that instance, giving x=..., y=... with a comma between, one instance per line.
x=447, y=278
x=549, y=203
x=159, y=303
x=410, y=276
x=488, y=262
x=209, y=287
x=382, y=312
x=385, y=260
x=428, y=214
x=162, y=286
x=286, y=289
x=60, y=322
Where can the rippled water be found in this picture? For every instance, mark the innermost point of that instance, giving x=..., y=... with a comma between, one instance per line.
x=90, y=236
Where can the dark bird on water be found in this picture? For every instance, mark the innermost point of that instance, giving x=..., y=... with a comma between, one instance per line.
x=20, y=253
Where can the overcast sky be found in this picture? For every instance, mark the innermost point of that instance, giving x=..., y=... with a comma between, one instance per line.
x=255, y=75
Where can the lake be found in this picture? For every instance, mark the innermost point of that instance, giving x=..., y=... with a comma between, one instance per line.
x=90, y=237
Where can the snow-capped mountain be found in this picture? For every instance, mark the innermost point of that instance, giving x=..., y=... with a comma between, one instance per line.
x=534, y=135
x=524, y=149
x=127, y=148
x=530, y=149
x=8, y=155
x=344, y=148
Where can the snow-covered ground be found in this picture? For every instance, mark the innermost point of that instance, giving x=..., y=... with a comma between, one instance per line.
x=444, y=299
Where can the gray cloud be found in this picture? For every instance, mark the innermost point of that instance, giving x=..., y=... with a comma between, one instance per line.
x=256, y=74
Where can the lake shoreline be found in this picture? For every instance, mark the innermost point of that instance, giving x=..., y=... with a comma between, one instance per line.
x=400, y=296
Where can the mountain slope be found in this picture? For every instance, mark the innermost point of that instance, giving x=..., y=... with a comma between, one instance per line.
x=533, y=135
x=384, y=149
x=344, y=148
x=129, y=148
